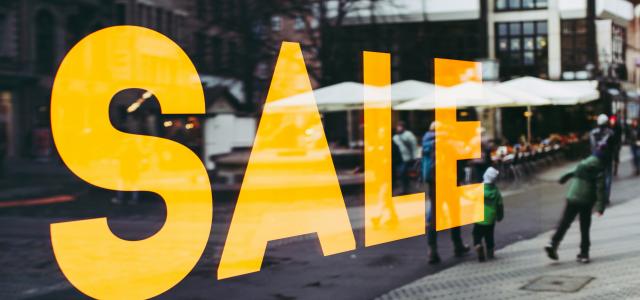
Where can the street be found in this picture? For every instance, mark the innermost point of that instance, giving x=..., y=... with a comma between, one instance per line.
x=293, y=268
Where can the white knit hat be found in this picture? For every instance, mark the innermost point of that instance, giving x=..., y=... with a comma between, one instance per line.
x=602, y=119
x=490, y=175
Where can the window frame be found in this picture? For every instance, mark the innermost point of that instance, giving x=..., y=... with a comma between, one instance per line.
x=536, y=6
x=506, y=55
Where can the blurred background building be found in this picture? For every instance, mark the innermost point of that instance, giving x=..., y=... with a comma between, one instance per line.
x=234, y=43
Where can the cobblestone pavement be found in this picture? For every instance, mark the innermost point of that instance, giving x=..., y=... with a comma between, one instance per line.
x=615, y=266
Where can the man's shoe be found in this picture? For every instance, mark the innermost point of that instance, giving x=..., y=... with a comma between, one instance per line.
x=434, y=258
x=490, y=254
x=461, y=251
x=480, y=251
x=552, y=252
x=583, y=258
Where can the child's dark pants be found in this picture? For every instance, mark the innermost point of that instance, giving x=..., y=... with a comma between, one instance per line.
x=570, y=213
x=485, y=232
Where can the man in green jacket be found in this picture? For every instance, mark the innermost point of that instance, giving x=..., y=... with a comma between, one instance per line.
x=586, y=192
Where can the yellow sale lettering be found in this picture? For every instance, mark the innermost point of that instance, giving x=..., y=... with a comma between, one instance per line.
x=281, y=195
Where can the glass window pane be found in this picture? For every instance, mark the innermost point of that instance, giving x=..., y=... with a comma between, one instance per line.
x=503, y=44
x=581, y=58
x=541, y=42
x=515, y=44
x=529, y=44
x=514, y=29
x=567, y=42
x=581, y=41
x=541, y=3
x=529, y=58
x=567, y=27
x=503, y=29
x=514, y=4
x=528, y=4
x=542, y=27
x=501, y=4
x=527, y=28
x=515, y=58
x=581, y=26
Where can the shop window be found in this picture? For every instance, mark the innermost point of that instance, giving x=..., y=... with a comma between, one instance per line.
x=521, y=48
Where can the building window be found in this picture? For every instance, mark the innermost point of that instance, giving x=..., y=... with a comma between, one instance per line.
x=505, y=5
x=618, y=40
x=45, y=37
x=521, y=48
x=121, y=13
x=276, y=23
x=298, y=25
x=574, y=45
x=216, y=49
x=141, y=15
x=160, y=19
x=3, y=35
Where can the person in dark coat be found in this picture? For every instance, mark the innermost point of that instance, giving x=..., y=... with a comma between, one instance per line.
x=428, y=176
x=586, y=193
x=602, y=139
x=633, y=138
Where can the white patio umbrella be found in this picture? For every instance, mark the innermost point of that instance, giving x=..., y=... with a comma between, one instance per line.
x=410, y=89
x=338, y=97
x=467, y=94
x=557, y=92
x=522, y=98
x=347, y=96
x=585, y=90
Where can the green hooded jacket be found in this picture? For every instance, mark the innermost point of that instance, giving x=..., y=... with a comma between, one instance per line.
x=587, y=184
x=493, y=209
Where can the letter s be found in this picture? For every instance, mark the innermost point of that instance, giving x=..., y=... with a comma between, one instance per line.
x=94, y=260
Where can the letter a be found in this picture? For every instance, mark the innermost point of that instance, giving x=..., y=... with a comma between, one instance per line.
x=290, y=186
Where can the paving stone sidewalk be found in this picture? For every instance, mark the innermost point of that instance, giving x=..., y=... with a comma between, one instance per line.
x=614, y=272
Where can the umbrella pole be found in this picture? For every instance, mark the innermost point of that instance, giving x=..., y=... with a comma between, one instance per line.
x=529, y=114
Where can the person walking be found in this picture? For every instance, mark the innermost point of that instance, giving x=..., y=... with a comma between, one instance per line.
x=601, y=140
x=616, y=143
x=493, y=212
x=586, y=192
x=633, y=138
x=428, y=176
x=408, y=146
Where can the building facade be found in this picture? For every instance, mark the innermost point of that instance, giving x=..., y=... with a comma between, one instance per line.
x=35, y=37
